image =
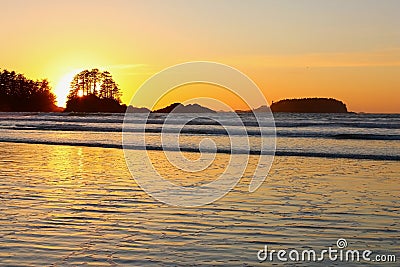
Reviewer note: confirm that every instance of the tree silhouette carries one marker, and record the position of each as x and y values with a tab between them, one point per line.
18	93
108	88
94	91
88	82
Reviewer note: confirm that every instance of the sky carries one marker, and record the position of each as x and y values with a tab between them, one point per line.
345	49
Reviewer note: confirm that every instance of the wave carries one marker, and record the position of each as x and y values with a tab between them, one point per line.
210	132
223	151
364	125
366	137
209	121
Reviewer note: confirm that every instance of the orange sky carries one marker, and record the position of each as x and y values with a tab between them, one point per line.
349	50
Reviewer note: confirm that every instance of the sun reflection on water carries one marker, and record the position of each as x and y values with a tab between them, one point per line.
64	205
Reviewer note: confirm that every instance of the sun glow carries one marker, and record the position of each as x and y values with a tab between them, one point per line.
63	86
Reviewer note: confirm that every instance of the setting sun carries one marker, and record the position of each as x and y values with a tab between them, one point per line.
63	86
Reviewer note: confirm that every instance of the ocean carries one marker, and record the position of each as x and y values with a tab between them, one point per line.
68	198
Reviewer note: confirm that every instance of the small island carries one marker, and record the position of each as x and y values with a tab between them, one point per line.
94	91
302	105
181	108
309	105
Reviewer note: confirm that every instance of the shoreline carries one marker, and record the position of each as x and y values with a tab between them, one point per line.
393	158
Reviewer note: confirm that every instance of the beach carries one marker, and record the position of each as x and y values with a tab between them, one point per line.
73	204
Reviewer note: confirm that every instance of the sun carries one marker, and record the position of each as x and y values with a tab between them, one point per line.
63	86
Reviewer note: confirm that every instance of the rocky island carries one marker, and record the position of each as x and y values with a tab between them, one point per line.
309	105
303	105
181	108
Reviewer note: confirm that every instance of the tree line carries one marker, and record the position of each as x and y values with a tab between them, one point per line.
18	93
90	91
